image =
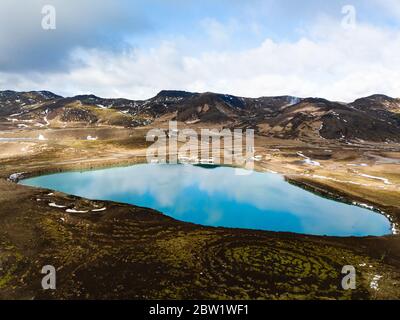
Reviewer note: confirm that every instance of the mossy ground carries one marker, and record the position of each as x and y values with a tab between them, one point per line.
127	252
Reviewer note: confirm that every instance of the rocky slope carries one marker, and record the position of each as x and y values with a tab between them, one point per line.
374	118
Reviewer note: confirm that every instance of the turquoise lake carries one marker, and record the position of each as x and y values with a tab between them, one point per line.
220	196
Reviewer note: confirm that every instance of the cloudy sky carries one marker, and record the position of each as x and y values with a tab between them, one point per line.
135	48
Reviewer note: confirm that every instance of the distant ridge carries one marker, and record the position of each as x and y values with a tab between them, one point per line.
373	118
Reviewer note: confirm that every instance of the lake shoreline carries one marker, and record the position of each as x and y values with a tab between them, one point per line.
306	184
257	226
36	233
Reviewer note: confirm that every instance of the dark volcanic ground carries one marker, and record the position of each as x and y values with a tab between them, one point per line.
127	252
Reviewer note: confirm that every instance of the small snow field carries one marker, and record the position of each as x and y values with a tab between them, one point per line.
54	205
375	282
76	211
308	161
385	181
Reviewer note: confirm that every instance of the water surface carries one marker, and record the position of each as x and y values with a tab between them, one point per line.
220	197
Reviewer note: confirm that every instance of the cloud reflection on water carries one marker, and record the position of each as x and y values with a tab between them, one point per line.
218	197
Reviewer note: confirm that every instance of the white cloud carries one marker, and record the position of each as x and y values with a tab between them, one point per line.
327	62
25	45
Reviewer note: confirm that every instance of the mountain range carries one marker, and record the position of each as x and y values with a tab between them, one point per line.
374	118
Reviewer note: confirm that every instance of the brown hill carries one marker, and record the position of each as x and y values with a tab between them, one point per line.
374	118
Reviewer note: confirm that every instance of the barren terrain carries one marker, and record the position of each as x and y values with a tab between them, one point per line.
126	252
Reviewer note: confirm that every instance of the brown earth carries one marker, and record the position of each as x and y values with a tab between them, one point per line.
126	252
